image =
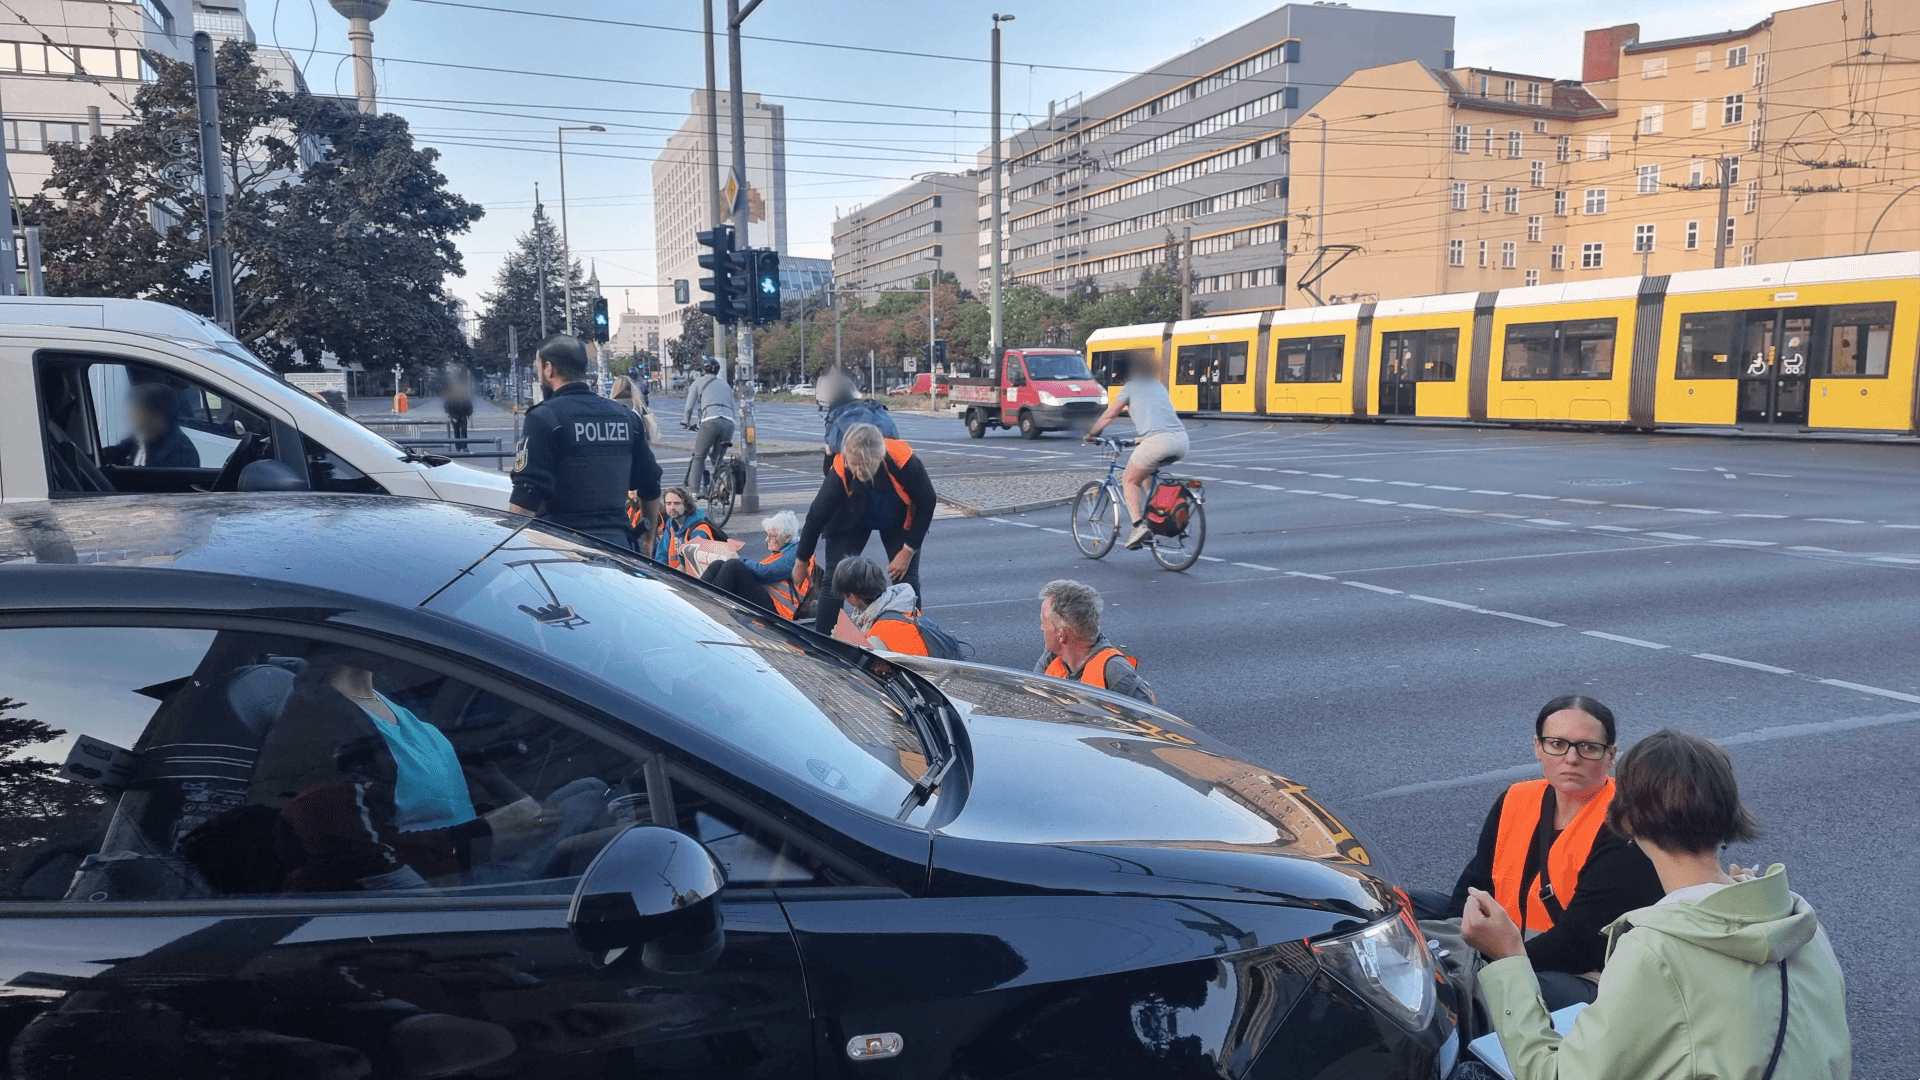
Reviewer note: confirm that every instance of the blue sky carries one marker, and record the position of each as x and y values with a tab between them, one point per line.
493	117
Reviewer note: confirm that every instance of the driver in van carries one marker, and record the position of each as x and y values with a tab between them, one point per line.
157	441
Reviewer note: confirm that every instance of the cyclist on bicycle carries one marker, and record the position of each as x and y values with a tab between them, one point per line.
1161	439
709	407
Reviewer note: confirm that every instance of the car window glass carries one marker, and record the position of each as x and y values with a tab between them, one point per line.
127	426
1057	366
751	854
270	766
328	471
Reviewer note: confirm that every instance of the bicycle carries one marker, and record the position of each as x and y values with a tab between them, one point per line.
1099	513
722	487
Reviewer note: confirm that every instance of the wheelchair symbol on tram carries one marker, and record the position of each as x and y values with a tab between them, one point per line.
1757	365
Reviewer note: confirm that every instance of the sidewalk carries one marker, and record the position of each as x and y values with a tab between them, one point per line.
987	496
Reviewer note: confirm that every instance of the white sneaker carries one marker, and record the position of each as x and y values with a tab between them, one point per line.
1139	536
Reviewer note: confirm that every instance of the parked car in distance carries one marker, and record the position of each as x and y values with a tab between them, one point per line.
637	822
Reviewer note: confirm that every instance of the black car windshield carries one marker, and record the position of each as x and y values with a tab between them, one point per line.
1057	366
740	674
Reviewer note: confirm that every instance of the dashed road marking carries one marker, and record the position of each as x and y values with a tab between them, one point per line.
1303	573
1024	524
1051	529
1737	662
1443	487
1488	491
1839	521
1443	603
1548	521
1515	517
1238	483
1584	502
1807	547
1523	495
1257	566
1770	517
1673	536
1269	487
1458	510
1210	558
1691	510
1638	506
1523	618
1380	502
1405	483
1613	528
1624	640
1372	588
1896	559
1327	476
1903	526
1365	480
1419	506
1336	495
1894	694
1745	543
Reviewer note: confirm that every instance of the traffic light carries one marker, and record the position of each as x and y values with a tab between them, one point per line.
601	328
727	290
940	351
765	307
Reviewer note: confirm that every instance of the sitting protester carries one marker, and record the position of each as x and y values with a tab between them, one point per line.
1729	974
1549	860
885	612
681	520
767	582
1077	650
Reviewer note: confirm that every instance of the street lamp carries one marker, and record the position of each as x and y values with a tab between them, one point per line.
566	249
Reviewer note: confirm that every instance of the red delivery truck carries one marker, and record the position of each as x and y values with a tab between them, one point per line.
1037	390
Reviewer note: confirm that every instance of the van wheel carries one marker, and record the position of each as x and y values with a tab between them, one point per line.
976	426
1028	429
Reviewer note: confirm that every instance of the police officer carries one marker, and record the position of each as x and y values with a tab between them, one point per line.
581	454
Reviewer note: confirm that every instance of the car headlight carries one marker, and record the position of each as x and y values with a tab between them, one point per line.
1048	399
1388	965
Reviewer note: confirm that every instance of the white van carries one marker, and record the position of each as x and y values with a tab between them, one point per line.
75	372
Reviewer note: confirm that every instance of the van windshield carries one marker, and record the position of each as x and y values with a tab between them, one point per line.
1057	366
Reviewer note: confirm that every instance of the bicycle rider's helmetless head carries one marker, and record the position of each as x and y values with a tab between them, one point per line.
1144	364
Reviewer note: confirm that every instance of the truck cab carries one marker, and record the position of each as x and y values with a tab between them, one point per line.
1034	390
78	376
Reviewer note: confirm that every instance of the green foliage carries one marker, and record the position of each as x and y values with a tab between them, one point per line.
41	809
515	299
694	342
342	232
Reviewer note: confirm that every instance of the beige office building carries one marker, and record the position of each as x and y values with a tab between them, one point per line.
1475	179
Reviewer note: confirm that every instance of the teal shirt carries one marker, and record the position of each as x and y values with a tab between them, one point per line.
430	791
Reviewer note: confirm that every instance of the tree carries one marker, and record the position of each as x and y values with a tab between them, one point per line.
695	342
341	231
42	809
515	300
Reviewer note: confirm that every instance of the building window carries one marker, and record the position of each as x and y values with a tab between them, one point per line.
1753	196
1652	119
1537	174
1456	253
1533	277
1733	109
1696	173
1533	228
1759	70
1557	257
1463	137
1483	254
1653	67
1484	83
1699	115
1693	236
1513	144
1737	56
1512	88
1509	255
1599	147
1596	202
1642	239
1458	195
1539	126
1728	241
1703	60
1753	134
1533	98
1649	179
1489	142
1486	198
1559	204
1746	255
1733	170
1513	200
1592	256
1563	149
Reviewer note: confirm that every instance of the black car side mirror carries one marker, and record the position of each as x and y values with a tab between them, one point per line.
654	889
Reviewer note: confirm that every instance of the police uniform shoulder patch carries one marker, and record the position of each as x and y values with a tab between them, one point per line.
520	458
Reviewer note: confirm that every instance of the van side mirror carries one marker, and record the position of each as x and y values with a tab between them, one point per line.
270	474
654	889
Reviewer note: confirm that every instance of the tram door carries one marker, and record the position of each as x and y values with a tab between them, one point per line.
1776	351
1210	379
1399	373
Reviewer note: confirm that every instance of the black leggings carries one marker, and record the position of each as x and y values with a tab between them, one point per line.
735	577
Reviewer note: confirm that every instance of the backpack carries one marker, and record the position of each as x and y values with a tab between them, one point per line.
1168	510
858	411
941	645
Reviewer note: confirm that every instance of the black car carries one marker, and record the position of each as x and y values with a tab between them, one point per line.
313	787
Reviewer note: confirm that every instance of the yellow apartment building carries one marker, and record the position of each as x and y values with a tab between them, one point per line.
1793	138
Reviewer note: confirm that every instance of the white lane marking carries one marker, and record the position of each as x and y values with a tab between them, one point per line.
1238	483
1380	502
1690	510
1612	528
1522	495
1515	517
1459	510
1327	476
1302	491
1378	589
1737	662
1259	468
1772	517
1269	487
1548	521
1336	495
1821	550
1585	502
1051	529
1745	543
1303	573
1523	618
1903	526
1896	559
1894	694
1257	566
1443	487
1442	603
1364	480
1728	476
1673	536
1839	521
1489	491
1024	524
1210	558
1292	472
1623	639
1638	506
1419	506
1002	521
1405	483
1681	468
1776	475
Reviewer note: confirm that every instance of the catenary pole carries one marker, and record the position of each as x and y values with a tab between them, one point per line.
750	497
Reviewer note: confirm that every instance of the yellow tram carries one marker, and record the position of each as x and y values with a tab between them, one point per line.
1814	345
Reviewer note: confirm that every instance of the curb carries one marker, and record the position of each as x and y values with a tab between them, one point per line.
1011	508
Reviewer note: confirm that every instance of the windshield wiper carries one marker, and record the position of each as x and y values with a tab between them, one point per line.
925	715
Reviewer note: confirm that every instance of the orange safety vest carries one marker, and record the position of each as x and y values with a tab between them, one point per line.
900	633
1094	673
701	530
786	599
898	453
1519	819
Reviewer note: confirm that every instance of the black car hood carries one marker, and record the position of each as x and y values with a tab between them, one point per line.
1066	766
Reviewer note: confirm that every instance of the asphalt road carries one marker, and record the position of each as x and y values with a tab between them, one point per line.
1381	610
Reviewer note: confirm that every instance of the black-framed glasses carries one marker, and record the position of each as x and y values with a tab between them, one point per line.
1592	751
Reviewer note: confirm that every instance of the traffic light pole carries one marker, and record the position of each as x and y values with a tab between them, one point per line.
750	496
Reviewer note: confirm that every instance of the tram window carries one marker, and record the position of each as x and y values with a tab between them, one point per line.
1586	350
1112	366
1565	350
1235	355
1529	351
1859	340
1320	359
1706	345
1190	364
1440	356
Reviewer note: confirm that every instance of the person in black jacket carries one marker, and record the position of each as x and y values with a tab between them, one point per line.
157	441
458	403
581	455
875	484
1547	855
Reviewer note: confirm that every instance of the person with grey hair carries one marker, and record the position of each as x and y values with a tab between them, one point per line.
874	484
1076	648
766	582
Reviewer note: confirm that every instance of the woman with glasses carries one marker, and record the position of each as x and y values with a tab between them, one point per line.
1548	858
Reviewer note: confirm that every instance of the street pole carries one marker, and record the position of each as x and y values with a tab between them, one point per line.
1720	223
540	258
566	245
1320	229
835	297
994	340
207	96
933	381
1186	273
9	270
750	496
714	215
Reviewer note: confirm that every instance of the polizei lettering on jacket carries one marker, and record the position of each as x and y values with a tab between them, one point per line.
602	431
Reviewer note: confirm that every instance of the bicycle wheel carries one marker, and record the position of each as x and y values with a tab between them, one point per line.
721	497
1096	520
1180	552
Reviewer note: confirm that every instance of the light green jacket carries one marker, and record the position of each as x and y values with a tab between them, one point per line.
1691	991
